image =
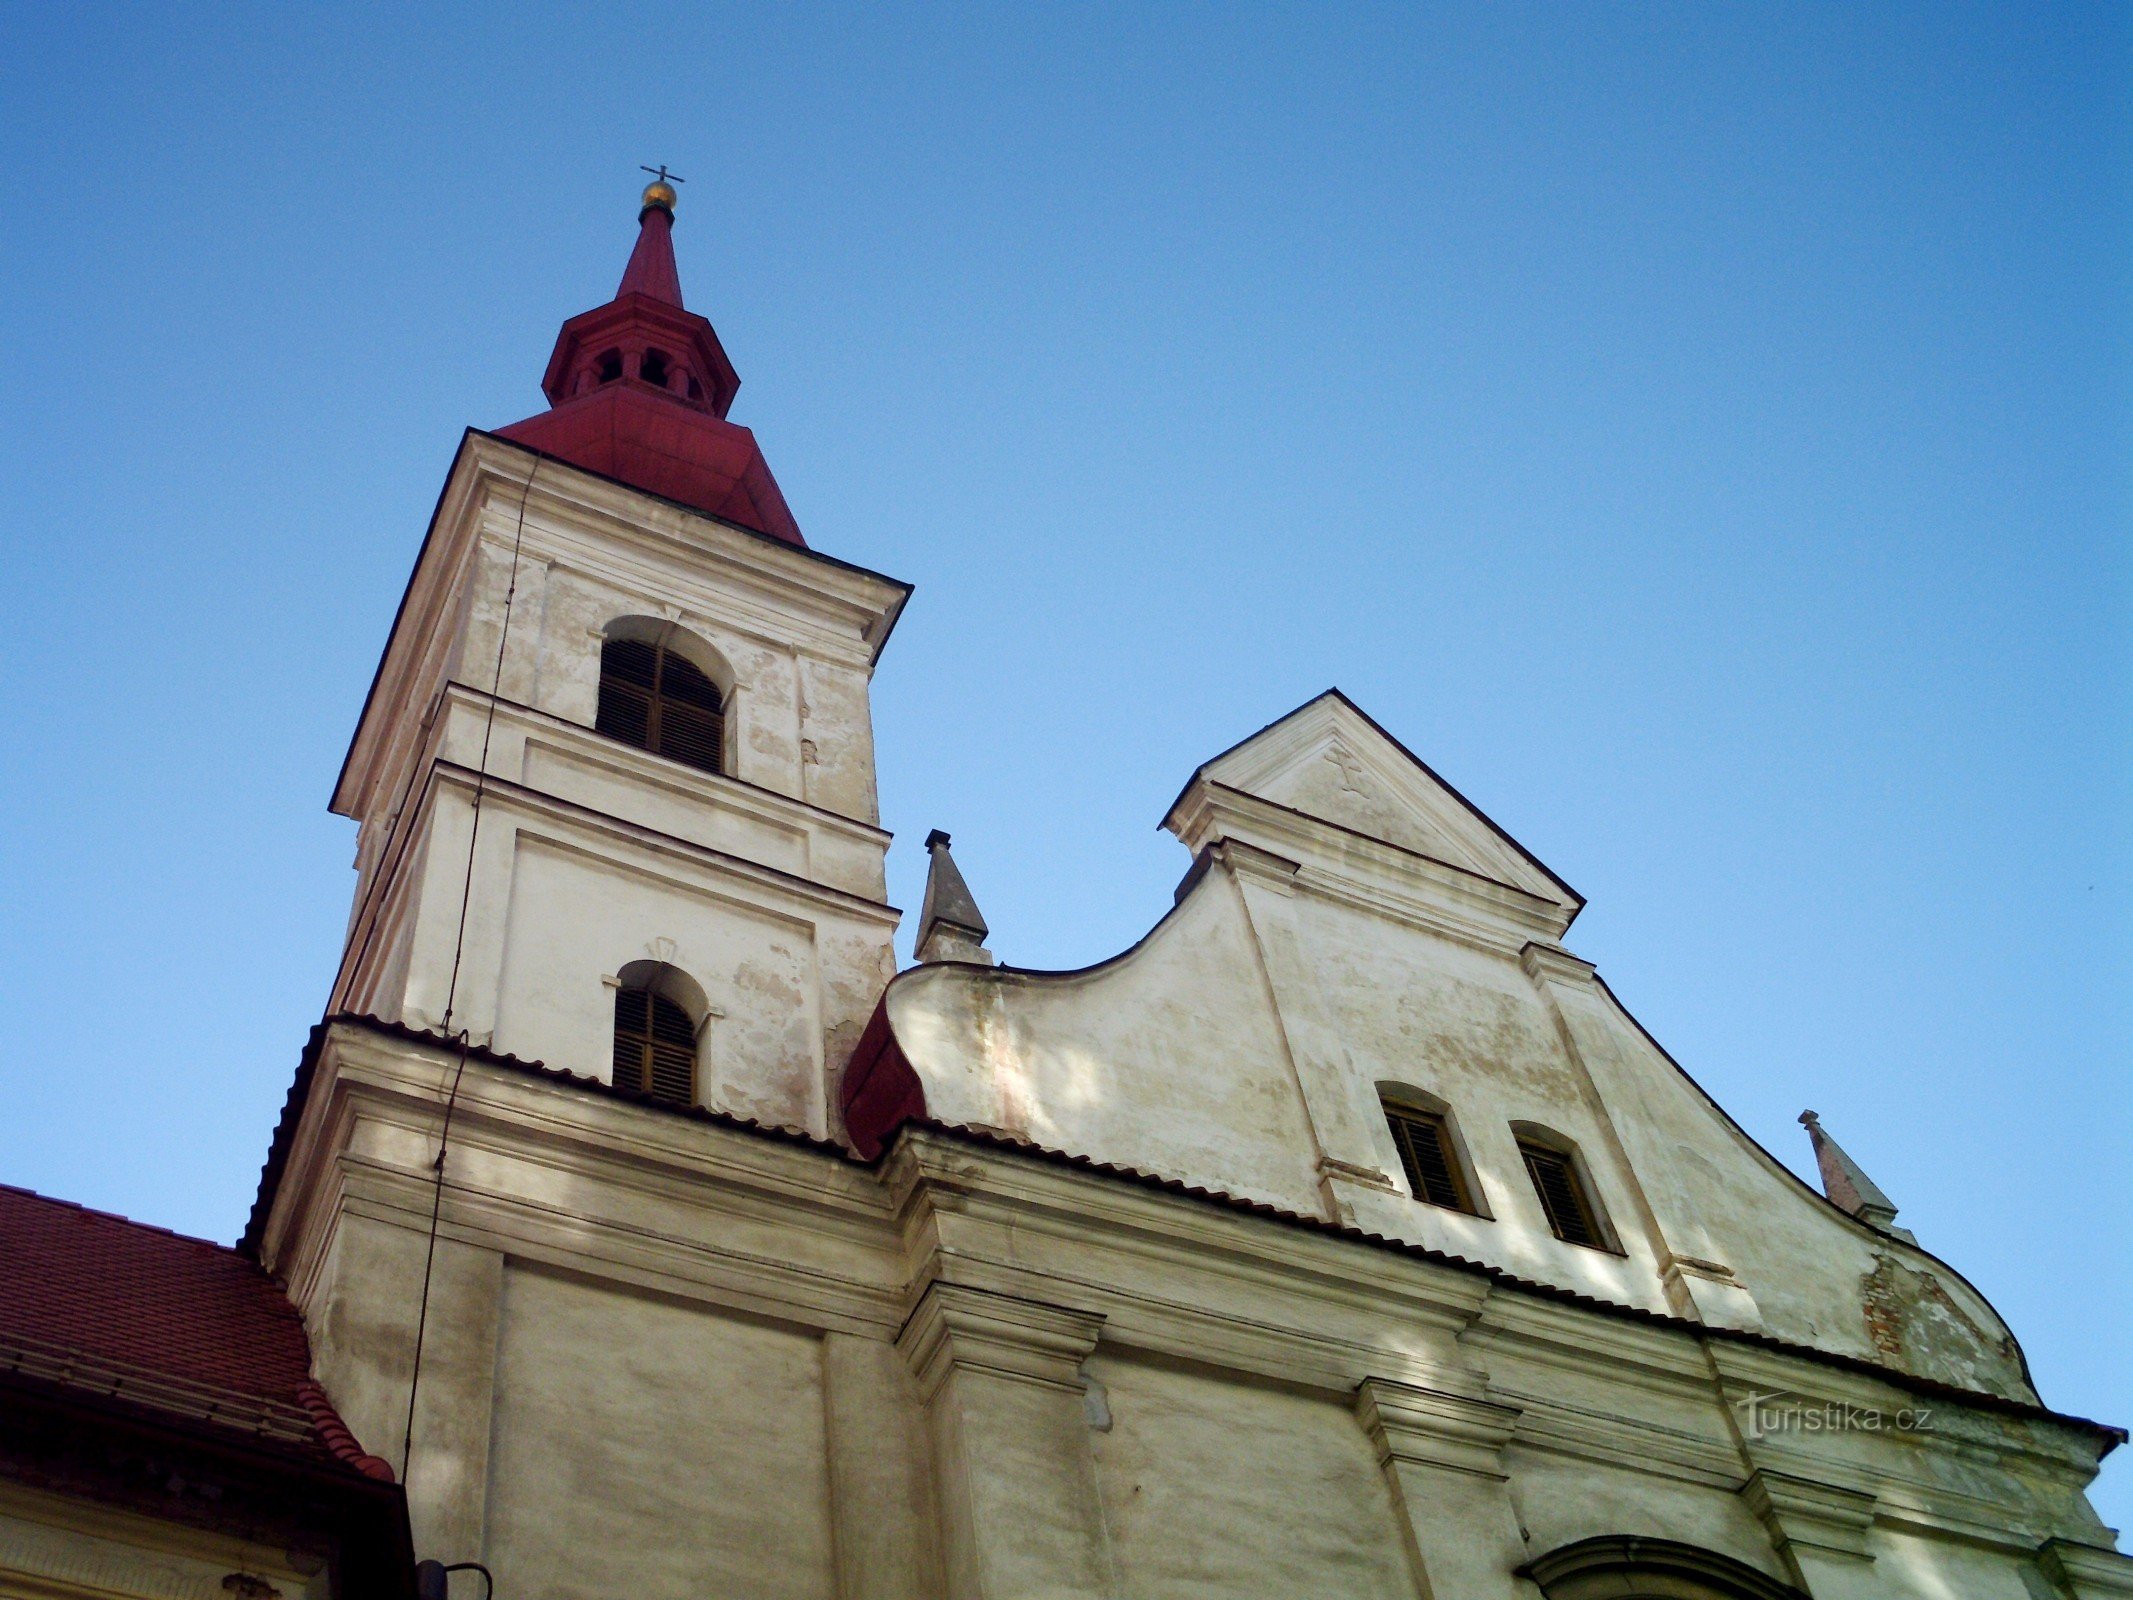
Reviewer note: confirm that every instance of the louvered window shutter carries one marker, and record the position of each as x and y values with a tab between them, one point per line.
690	724
1562	1197
655	1046
1426	1155
658	701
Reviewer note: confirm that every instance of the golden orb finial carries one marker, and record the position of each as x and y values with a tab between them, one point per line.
660	191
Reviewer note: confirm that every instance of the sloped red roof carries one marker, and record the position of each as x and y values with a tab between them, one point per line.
125	1311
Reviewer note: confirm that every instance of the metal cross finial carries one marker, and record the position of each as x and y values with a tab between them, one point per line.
662	175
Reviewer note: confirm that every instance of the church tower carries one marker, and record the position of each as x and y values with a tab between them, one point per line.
620	919
615	777
1344	1235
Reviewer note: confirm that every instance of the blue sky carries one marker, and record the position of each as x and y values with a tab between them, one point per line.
1700	432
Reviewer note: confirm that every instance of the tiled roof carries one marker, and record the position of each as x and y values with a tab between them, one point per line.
125	1311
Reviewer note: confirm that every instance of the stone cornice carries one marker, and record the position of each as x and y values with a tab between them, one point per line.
1433	1428
1023	1193
847	609
642	767
1806	1514
955	1328
799	576
1528	1310
669	1202
1555	964
1386	878
535	802
2086	1571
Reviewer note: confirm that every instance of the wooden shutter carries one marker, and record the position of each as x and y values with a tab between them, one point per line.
655	1046
633	1026
691	726
629	679
671	1064
1425	1146
657	701
1562	1197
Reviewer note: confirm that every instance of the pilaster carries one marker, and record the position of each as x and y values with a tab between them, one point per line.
448	1474
1443	1455
2086	1571
1821	1529
883	1513
1019	1508
1697	1285
1347	1150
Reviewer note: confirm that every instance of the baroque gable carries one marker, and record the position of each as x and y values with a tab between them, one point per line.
1327	785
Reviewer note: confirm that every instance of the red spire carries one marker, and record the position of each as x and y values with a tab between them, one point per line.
638	390
651	270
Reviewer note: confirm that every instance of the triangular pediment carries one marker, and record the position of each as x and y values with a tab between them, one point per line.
1329	762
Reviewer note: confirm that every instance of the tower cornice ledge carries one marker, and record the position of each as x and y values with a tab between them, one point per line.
802	574
840	608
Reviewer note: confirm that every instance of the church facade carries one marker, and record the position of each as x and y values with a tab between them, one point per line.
1345	1236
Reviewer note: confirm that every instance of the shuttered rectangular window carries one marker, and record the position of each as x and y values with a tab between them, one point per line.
1562	1196
655	1047
661	702
1425	1146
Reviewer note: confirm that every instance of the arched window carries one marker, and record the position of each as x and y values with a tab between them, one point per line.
655	1046
609	367
653	368
657	700
1619	1565
1429	1151
1565	1198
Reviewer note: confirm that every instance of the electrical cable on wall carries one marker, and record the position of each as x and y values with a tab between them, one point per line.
451	996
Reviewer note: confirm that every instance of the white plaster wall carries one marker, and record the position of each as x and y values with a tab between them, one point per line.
1168	1059
1805	1263
1940	1569
575	919
794	973
1468	1026
812	743
1213	1489
664	1357
1175	1060
1564	1499
654	1450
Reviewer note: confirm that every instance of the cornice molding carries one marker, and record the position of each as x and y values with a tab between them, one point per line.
954	1328
1809	1514
1384	877
1552	963
2086	1571
1433	1428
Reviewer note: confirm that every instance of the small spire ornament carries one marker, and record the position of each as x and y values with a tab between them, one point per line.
659	193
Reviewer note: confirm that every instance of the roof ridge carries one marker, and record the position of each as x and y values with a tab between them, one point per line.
98	1212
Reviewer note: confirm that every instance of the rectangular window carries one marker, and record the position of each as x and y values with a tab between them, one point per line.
1562	1197
1425	1146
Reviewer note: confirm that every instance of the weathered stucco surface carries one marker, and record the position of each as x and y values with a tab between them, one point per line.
625	1348
1313	964
761	887
681	1357
627	1479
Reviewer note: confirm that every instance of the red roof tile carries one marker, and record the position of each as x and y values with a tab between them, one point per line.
121	1309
